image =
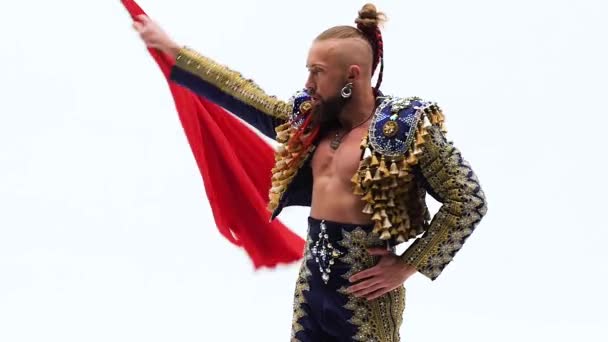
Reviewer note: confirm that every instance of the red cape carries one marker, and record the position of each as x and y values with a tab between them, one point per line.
235	164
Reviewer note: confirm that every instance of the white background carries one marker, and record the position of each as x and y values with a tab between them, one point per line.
105	231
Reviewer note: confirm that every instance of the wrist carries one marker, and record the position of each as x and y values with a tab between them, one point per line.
172	49
408	270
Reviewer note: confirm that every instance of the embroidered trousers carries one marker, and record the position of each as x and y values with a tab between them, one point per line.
323	310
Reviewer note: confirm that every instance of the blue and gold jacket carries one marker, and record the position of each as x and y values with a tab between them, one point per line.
404	156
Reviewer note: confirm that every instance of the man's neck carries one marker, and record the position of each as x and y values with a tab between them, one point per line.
359	108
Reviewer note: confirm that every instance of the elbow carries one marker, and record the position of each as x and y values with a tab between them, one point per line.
482	208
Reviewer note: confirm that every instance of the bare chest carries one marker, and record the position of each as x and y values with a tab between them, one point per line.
342	162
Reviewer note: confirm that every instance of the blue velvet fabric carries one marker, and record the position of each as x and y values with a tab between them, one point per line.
326	317
266	124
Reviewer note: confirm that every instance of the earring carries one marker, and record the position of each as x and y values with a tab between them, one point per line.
347	90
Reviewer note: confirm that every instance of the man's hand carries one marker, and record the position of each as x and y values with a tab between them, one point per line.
154	37
390	273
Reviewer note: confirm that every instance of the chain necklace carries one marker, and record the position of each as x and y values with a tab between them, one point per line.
337	140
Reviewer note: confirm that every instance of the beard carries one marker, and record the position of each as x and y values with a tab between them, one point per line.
325	113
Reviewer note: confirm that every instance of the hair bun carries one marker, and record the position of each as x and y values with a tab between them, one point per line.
369	17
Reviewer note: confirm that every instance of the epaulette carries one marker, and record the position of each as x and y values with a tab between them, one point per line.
390	152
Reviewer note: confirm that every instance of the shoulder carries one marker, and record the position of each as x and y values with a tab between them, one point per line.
300	106
398	122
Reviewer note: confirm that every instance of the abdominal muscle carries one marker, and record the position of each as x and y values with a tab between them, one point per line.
332	201
332	194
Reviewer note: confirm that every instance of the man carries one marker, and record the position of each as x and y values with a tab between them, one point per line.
364	162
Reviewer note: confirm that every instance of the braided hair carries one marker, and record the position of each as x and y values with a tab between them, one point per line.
368	23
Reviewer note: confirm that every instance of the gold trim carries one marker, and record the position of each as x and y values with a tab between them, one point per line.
299	299
392	195
379	319
232	83
451	177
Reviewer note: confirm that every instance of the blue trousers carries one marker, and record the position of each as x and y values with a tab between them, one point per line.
323	310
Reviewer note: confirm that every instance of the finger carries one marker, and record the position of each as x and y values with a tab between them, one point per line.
377	294
369	290
143	18
378	251
138	26
362	285
370	272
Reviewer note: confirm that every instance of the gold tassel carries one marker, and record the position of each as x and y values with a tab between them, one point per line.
377	197
363	143
379	205
358	190
374	160
424	132
394	170
397	218
382	167
355	178
368	178
368	197
289	173
385	235
377	227
391	203
419	139
376	217
368	209
377	175
411	159
400	239
383	213
386	223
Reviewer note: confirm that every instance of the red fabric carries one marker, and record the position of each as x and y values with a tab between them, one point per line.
235	164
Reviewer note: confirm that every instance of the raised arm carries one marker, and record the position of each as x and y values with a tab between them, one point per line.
449	179
217	83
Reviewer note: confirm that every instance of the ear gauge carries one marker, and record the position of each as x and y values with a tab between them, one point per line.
347	90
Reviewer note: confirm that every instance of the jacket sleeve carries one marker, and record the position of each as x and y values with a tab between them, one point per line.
230	90
449	179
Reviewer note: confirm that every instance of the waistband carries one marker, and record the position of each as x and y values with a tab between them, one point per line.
334	229
330	241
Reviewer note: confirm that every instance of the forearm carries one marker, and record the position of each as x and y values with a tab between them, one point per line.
449	177
229	90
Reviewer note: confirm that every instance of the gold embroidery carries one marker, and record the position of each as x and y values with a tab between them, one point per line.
464	204
387	183
380	319
395	199
232	83
390	129
299	300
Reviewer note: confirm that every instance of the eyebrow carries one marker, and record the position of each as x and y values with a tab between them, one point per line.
316	65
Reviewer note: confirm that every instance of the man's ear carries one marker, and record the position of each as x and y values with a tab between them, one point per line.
354	73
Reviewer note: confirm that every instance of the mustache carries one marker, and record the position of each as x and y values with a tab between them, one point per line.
325	112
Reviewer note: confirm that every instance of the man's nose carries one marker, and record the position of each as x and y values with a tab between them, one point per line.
309	85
